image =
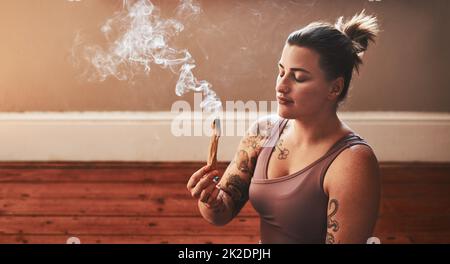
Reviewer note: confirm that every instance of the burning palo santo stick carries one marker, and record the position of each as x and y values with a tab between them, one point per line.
214	144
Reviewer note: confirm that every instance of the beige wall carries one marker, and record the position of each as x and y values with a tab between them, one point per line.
236	45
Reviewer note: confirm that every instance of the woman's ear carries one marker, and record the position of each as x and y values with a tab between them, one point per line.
336	88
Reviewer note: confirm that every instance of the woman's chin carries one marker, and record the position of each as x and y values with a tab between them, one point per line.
284	113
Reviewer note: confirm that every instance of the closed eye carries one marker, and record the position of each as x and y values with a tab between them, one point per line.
300	80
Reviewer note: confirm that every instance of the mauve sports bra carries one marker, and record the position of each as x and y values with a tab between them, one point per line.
293	208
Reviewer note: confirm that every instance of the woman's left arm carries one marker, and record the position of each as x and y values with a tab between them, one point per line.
353	184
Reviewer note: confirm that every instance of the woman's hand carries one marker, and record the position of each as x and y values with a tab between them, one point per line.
203	186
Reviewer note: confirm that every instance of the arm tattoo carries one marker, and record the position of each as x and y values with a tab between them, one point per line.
329	239
220	207
243	162
332	224
237	189
253	143
246	163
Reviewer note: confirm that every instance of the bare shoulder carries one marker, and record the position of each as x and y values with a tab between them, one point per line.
356	165
258	132
262	126
356	156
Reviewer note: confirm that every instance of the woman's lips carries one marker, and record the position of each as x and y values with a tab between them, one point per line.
284	101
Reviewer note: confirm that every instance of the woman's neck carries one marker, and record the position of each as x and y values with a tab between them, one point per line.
312	131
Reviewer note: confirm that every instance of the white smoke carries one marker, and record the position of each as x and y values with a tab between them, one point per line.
138	38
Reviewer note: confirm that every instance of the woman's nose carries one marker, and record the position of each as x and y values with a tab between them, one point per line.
282	84
282	88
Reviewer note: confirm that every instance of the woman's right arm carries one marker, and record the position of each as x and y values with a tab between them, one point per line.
220	203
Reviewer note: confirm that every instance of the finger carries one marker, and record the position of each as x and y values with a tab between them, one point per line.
213	197
203	183
193	180
206	193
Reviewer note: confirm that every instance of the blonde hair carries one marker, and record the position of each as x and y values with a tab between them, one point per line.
360	29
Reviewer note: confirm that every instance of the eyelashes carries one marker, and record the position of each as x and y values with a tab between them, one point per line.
299	80
281	74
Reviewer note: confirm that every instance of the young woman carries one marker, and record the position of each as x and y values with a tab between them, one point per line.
310	177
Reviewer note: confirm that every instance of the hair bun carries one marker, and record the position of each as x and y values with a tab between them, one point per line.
361	29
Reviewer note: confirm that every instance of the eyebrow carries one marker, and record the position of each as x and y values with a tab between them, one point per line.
295	69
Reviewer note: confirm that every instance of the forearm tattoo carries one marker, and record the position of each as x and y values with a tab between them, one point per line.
219	207
243	162
236	185
332	224
237	190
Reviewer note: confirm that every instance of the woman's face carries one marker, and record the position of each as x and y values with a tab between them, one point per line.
302	89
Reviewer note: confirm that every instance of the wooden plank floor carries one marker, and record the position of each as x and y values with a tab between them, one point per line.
148	203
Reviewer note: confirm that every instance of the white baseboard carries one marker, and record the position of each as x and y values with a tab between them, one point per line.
146	136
